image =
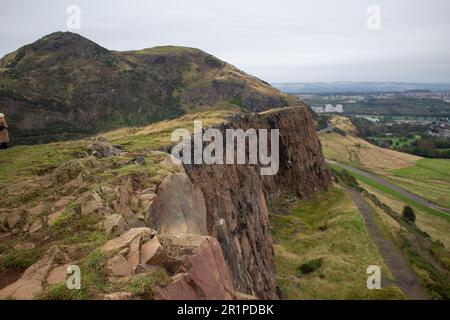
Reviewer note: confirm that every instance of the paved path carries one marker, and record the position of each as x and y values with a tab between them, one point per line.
394	258
394	187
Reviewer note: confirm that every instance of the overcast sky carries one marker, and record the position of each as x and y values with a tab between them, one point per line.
276	40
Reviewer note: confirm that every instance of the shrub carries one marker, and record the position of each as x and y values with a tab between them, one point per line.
409	214
310	266
346	178
21	259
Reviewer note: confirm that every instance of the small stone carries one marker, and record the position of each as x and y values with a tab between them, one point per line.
58	275
133	256
152	252
125	239
51	218
115	225
37	210
145	200
118	296
35	226
138	161
90	202
24	246
63	202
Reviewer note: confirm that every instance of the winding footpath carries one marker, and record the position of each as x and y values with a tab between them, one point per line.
405	278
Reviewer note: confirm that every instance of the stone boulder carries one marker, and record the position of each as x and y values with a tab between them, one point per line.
103	149
125	240
90	202
114	225
58	275
66	172
33	279
24	246
118	296
9	219
202	275
118	266
153	253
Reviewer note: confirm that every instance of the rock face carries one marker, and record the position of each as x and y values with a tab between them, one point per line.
235	196
179	207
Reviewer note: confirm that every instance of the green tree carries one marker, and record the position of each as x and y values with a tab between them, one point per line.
409	214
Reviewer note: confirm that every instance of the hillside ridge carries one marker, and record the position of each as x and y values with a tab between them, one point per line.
65	86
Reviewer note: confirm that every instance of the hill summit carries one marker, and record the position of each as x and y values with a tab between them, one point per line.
65	86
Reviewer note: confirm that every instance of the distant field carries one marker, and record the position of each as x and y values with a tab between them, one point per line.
354	151
429	178
322	250
437	227
394	194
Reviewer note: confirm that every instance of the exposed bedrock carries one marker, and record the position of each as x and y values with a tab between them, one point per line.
235	195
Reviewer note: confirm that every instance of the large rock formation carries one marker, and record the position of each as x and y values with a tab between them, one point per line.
210	232
235	195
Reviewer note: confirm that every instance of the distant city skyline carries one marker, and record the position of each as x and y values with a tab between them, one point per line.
278	41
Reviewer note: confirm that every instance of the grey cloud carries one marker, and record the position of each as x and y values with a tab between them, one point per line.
287	40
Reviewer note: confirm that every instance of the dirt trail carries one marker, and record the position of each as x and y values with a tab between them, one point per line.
394	258
394	187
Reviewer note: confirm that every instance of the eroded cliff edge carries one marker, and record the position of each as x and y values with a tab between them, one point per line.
127	215
235	195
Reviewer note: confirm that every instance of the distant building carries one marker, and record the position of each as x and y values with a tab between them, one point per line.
329	108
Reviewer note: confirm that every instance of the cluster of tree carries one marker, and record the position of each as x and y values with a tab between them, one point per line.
399	105
322	121
416	137
409	214
368	128
430	147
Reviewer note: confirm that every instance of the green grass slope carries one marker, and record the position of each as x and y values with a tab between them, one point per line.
322	249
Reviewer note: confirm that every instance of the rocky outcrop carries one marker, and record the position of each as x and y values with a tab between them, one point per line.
34	279
103	149
201	275
235	195
195	263
209	229
179	207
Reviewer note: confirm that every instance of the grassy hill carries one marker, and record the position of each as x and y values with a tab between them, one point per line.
65	86
44	187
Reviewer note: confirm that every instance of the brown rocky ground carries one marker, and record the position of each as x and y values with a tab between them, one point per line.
140	227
